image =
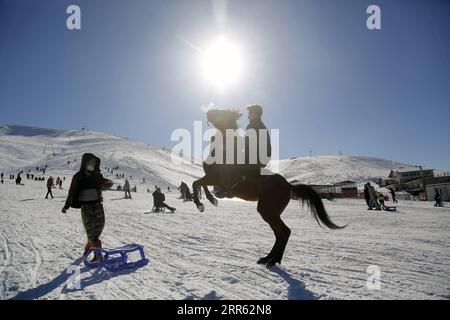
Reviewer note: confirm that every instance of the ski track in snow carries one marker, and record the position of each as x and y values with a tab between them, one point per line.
38	262
6	262
6	252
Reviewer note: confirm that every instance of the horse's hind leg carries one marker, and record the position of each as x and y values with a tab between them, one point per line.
271	212
282	233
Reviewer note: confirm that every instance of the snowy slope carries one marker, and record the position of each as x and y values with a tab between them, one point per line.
22	148
332	169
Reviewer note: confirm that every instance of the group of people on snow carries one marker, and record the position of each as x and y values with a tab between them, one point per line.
29	176
374	199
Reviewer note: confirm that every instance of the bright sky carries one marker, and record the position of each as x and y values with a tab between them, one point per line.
137	69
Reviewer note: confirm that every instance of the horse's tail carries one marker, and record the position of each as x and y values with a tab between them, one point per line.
312	199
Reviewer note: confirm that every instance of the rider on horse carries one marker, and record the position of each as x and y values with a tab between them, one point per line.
258	128
249	154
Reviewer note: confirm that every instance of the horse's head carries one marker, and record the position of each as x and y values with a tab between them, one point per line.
223	119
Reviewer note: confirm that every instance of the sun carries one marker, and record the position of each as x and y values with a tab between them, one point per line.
222	63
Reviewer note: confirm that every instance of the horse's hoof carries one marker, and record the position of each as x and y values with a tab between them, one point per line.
269	261
201	207
215	202
263	260
272	262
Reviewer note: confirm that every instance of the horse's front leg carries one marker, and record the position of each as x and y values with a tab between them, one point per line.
210	197
195	186
204	182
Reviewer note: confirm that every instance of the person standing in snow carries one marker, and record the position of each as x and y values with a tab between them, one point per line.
49	187
438	199
394	199
60	184
18	179
85	192
126	188
373	198
367	196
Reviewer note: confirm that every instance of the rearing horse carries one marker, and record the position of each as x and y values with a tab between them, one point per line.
272	192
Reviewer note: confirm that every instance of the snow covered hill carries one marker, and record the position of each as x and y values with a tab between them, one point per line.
22	148
25	148
332	169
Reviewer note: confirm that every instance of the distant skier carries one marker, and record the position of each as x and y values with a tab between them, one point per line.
85	192
126	188
438	199
49	187
158	201
1	176
394	199
60	184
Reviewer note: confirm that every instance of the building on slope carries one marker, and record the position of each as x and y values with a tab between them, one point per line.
414	180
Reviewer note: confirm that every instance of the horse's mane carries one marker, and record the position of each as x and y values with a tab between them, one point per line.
227	116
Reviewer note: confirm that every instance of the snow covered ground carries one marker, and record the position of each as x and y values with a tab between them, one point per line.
210	255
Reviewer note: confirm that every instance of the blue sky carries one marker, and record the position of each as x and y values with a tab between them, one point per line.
325	80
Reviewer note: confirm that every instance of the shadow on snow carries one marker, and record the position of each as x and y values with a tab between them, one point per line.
97	276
